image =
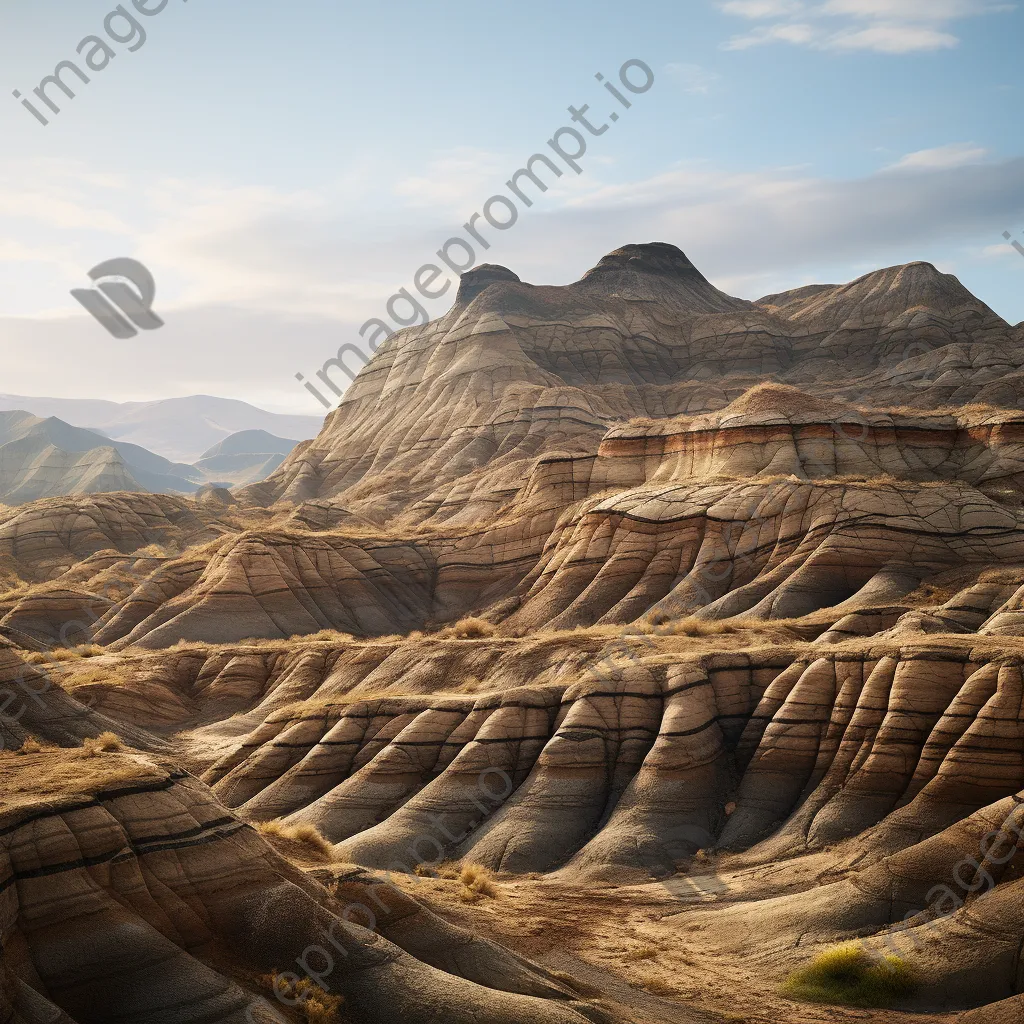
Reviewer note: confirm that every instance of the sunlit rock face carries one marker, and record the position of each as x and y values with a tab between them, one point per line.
585	586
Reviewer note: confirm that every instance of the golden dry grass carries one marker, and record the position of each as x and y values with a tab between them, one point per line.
13	586
314	1004
331	635
301	840
110	673
655	984
105	743
644	952
62	773
776	630
475	880
155	551
468	628
64	654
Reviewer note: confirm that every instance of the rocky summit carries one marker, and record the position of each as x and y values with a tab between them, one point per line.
618	652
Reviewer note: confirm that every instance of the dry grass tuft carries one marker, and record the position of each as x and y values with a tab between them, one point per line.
12	586
655	984
471	684
334	635
315	1005
849	976
300	840
469	628
105	743
475	879
65	654
96	675
155	551
774	629
30	746
641	953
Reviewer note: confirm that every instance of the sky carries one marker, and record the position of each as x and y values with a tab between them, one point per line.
282	170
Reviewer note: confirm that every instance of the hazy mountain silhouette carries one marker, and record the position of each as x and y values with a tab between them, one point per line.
179	429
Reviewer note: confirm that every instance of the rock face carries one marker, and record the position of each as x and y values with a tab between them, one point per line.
586	586
135	896
540	369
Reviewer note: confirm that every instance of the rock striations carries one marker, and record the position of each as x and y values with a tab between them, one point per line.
579	588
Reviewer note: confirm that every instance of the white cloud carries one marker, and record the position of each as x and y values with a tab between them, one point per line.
761	8
793	32
449	179
913	10
255	283
693	78
1001	251
880	26
887	37
941	158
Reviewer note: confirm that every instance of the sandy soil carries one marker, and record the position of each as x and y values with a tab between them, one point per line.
634	945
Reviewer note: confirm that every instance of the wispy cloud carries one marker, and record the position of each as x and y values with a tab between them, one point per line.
693	78
941	158
880	26
257	283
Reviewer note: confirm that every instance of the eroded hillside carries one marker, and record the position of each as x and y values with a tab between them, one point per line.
689	629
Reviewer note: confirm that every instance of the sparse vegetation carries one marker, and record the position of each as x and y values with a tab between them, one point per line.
655	984
30	746
774	629
154	551
77	676
475	879
302	840
315	1005
12	586
469	628
641	953
471	684
850	976
333	635
64	654
105	743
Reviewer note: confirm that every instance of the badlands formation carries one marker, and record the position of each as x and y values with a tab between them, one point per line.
616	652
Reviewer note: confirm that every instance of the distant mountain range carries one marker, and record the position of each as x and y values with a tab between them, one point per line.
179	429
244	458
42	457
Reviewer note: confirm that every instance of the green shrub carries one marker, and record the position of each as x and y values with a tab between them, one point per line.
849	976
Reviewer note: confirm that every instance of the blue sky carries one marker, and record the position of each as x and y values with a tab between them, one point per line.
283	169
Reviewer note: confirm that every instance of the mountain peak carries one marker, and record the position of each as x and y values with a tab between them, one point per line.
474	281
646	257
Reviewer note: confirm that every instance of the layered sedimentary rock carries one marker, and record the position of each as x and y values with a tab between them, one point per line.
535	369
587	586
134	896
